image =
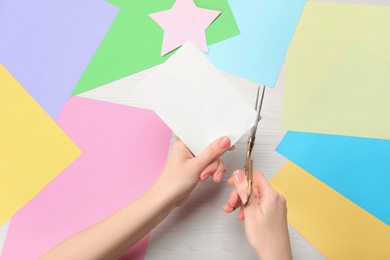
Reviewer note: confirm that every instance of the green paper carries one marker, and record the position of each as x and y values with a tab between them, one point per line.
134	40
337	71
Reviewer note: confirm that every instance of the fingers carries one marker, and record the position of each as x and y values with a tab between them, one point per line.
259	187
241	214
261	181
263	195
212	153
217	168
209	170
233	202
269	198
231	180
241	185
217	176
263	189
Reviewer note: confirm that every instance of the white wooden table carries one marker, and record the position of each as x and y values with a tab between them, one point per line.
199	229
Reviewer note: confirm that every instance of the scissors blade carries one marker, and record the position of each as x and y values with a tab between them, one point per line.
248	168
258	106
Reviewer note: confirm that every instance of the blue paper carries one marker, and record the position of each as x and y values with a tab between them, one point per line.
266	28
46	45
358	168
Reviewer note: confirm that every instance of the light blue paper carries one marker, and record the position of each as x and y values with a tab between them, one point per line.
258	52
358	168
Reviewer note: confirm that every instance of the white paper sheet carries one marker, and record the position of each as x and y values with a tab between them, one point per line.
195	100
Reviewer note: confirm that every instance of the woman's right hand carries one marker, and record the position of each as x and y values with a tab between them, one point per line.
265	216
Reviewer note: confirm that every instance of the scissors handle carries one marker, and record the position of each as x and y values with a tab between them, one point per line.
248	170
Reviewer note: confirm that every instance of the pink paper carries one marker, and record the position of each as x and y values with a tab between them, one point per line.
124	150
184	22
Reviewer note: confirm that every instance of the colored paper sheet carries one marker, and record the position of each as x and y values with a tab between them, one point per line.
333	224
124	150
33	149
134	41
320	61
358	168
195	100
184	22
47	45
3	234
352	99
266	28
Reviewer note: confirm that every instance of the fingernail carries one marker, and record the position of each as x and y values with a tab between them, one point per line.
224	142
227	208
238	176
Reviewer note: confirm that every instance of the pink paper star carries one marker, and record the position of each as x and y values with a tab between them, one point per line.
184	22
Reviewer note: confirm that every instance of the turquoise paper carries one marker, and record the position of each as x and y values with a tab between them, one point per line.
358	168
266	27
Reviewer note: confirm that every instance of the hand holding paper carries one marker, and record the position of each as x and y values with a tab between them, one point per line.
182	171
194	99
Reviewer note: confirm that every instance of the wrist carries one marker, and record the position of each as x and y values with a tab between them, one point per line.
163	196
172	190
281	253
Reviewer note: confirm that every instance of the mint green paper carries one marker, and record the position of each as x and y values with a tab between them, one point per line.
134	40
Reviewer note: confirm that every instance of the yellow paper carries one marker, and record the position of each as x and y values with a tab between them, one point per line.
337	71
333	224
33	148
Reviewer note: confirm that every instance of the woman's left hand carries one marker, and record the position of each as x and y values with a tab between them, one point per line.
183	170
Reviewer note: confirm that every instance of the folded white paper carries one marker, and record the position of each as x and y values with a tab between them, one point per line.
195	100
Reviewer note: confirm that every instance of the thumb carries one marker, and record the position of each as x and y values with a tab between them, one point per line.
212	152
241	185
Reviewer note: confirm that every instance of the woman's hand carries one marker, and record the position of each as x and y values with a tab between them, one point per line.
265	216
183	170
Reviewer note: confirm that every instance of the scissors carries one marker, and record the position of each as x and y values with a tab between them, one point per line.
248	167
